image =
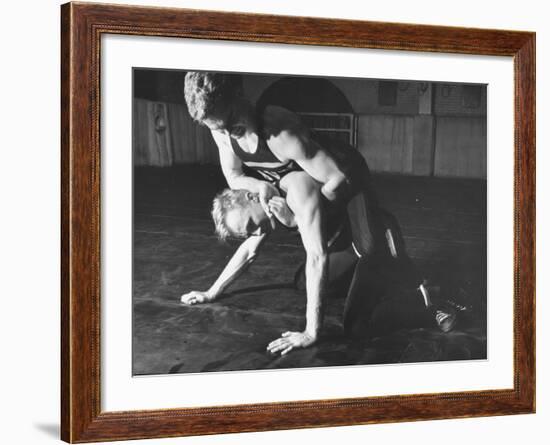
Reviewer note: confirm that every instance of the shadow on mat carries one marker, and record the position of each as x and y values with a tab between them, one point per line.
247	290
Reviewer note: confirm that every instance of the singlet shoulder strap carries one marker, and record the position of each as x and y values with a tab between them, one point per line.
262	153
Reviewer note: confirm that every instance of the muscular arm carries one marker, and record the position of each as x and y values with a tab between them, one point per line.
315	161
246	253
291	140
309	224
304	200
232	166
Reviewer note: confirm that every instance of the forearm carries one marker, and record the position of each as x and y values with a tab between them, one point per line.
232	166
239	262
243	182
316	277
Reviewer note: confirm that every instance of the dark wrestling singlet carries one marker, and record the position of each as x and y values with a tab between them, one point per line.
264	162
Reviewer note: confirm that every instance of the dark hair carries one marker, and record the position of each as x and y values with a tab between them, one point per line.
207	93
225	201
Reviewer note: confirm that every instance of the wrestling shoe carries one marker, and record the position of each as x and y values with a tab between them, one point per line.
445	314
445	319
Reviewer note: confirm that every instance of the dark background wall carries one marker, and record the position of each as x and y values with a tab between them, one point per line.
406	127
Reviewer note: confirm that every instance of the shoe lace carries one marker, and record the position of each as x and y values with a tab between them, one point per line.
441	316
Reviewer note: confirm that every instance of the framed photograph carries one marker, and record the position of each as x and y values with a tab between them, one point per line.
274	222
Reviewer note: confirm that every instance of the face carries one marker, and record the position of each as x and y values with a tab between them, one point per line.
250	220
235	122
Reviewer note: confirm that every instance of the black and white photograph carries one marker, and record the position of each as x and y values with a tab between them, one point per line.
288	221
278	222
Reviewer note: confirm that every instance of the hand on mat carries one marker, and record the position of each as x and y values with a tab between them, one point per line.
279	208
290	340
266	192
196	297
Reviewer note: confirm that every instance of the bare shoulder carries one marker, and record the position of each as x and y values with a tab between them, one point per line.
277	120
302	191
222	141
286	135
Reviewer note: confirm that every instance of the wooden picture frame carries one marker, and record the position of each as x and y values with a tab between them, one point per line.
82	26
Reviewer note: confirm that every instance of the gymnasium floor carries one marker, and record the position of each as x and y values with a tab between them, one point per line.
175	251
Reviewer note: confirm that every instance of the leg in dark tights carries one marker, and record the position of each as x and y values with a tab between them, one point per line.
365	293
365	224
378	302
399	312
367	287
382	295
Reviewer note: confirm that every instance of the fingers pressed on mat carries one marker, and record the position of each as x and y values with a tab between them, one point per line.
287	350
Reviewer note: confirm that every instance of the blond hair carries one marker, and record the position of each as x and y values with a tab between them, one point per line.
224	202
